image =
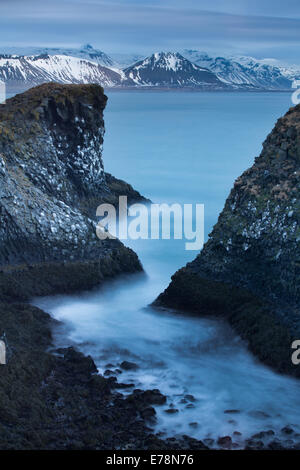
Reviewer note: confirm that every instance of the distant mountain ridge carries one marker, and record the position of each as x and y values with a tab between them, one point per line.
22	68
86	52
22	72
171	70
246	72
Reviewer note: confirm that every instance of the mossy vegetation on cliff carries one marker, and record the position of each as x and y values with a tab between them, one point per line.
51	181
249	269
254	319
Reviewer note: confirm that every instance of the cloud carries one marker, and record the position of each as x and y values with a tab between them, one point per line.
146	25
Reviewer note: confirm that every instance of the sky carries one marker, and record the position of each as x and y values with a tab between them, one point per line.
260	28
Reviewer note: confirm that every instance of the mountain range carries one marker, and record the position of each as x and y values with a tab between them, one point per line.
87	52
171	70
22	68
246	72
22	72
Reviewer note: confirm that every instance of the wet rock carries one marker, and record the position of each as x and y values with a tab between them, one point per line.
81	363
142	399
151	397
155	397
148	413
126	365
263	434
80	409
190	443
171	411
237	433
275	445
287	430
232	411
124	385
190	397
225	442
190	405
254	444
108	373
193	425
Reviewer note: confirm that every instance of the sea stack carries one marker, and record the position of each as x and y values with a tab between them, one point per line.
249	269
52	179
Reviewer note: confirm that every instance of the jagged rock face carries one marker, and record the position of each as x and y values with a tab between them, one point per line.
56	138
257	236
253	252
52	177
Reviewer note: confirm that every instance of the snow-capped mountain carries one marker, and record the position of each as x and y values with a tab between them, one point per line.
248	73
192	69
292	72
20	73
85	52
167	69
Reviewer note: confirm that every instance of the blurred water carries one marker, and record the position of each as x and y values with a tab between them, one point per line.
180	147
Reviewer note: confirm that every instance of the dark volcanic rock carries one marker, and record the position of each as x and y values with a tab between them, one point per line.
127	365
287	430
143	398
263	434
249	269
51	181
59	401
171	411
254	444
225	442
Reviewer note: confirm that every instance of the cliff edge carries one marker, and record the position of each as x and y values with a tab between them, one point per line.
249	269
51	181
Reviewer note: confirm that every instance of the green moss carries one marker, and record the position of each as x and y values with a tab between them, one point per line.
20	282
253	318
22	113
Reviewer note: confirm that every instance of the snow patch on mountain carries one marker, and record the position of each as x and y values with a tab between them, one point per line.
86	52
27	71
246	72
167	69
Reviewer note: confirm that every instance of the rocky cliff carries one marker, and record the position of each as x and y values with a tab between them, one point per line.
51	181
249	269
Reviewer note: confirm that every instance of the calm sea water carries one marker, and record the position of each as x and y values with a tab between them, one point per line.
181	147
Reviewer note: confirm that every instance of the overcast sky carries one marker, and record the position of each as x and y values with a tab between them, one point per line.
262	28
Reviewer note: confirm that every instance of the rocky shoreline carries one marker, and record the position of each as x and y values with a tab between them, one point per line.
249	269
54	398
51	180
